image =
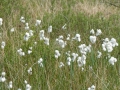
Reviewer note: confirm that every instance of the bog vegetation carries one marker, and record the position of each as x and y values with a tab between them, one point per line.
59	45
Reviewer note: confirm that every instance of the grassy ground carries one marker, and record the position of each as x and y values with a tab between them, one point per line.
80	16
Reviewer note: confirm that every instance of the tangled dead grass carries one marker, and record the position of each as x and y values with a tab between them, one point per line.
91	8
38	8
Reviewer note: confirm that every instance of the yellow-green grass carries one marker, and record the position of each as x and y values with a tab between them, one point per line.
80	16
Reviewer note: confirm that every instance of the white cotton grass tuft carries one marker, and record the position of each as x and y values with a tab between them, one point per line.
28	86
93	39
69	61
50	29
114	42
1	21
30	50
99	32
22	19
26	26
68	53
20	52
60	37
61	42
92	87
92	32
29	71
35	43
28	35
99	54
10	86
12	29
64	27
74	56
84	49
61	64
108	45
2	77
30	32
81	60
77	37
112	60
68	37
46	41
57	54
41	35
3	45
40	62
38	22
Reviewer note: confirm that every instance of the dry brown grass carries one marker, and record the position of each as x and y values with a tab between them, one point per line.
91	8
38	8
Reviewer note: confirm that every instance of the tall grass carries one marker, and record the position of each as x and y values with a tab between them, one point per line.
80	17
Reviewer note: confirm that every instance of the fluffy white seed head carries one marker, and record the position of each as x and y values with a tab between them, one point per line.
93	39
99	32
46	41
61	64
92	87
40	60
3	74
26	36
49	29
31	32
38	22
2	79
2	44
84	49
19	89
22	19
81	61
10	85
29	51
92	32
64	27
99	54
112	60
69	60
12	30
114	42
62	43
77	37
28	87
68	37
30	71
1	20
27	26
41	35
74	56
57	54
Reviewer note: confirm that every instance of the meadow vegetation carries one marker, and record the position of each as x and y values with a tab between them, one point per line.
59	45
